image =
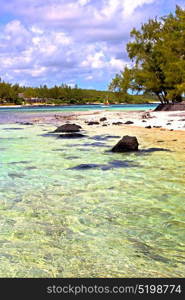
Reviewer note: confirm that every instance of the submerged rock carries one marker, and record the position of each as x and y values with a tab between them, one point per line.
85	167
126	144
68	128
13	128
71	135
104	137
116	164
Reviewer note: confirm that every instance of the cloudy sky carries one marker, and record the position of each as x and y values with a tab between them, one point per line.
71	41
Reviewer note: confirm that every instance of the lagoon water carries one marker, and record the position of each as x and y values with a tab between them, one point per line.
12	114
69	208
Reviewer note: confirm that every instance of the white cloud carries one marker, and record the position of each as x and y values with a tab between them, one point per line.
69	40
117	64
83	2
130	6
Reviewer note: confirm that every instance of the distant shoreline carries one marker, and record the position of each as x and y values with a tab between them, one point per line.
57	105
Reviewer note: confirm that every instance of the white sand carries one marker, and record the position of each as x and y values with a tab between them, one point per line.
169	120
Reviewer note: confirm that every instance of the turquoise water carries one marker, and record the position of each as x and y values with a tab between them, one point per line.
10	114
121	215
80	107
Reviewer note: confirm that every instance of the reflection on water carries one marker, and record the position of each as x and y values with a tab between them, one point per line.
58	220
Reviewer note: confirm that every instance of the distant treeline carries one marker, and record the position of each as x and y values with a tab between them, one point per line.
64	94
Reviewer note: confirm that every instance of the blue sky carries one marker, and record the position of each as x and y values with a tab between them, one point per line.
70	41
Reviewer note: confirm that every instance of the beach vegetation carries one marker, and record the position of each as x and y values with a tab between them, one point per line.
64	95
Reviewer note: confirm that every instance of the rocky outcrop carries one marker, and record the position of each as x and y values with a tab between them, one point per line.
126	144
171	107
93	123
103	119
129	122
117	123
68	128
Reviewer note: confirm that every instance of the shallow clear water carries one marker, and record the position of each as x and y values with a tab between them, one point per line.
112	220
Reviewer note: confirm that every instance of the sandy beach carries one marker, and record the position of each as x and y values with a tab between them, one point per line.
159	129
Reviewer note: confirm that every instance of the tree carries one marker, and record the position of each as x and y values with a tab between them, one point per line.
158	58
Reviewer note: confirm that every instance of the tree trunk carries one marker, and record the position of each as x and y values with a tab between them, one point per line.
159	97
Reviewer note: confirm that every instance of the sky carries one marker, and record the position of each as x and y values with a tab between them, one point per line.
79	42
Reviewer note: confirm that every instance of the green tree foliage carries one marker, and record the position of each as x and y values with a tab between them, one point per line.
157	52
64	94
58	95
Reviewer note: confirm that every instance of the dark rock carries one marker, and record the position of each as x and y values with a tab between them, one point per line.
117	123
157	126
85	167
128	122
103	119
168	123
93	123
126	144
144	121
68	128
148	127
104	125
13	128
160	141
71	135
171	107
26	123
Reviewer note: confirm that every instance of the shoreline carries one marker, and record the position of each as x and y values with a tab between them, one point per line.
150	119
167	128
63	105
164	120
